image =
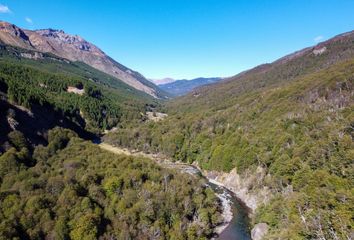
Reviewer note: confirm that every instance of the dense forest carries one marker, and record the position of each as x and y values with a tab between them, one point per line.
39	91
294	118
106	101
26	86
68	188
71	189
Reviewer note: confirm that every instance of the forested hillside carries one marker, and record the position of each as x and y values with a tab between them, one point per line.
293	118
55	185
71	189
48	91
75	49
286	128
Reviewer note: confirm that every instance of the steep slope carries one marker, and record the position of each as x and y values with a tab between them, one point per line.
182	87
280	72
285	127
71	189
74	48
55	185
39	91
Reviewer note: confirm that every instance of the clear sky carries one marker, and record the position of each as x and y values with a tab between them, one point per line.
189	38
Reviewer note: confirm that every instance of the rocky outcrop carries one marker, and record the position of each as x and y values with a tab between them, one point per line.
248	187
73	48
34	55
259	231
13	35
319	51
156	116
75	90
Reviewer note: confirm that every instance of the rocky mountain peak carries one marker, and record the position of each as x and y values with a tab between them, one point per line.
13	30
73	48
62	37
11	34
59	35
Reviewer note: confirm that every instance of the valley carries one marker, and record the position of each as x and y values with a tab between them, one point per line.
235	213
91	149
281	135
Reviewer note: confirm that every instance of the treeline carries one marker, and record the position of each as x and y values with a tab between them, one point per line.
301	133
44	81
71	189
26	86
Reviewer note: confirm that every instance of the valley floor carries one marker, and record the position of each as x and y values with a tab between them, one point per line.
223	193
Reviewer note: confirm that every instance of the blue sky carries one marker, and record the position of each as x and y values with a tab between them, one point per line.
189	38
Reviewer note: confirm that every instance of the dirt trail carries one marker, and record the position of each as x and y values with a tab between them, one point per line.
113	149
161	160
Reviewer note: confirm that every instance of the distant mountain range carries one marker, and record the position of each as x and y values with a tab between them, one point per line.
162	81
184	86
279	136
74	48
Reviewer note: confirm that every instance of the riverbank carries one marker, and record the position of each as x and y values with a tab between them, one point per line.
248	188
226	213
237	226
227	200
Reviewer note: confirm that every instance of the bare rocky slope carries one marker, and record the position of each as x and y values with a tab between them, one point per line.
74	48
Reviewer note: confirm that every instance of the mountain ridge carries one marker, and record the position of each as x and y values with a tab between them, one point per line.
184	86
292	119
74	48
162	80
296	54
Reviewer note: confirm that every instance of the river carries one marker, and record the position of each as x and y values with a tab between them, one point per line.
238	228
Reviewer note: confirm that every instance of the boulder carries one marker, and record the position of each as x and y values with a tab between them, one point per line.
259	230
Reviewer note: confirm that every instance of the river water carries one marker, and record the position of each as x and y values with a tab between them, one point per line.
239	227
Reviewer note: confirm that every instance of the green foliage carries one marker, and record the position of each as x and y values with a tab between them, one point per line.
9	162
28	86
75	190
298	128
106	102
58	138
61	228
294	118
17	139
85	228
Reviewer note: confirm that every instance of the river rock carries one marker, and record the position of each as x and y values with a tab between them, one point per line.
248	187
259	230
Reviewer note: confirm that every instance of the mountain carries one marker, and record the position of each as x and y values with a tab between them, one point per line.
40	91
74	48
182	87
56	185
280	136
162	81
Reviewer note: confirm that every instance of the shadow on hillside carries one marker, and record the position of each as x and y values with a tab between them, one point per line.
35	124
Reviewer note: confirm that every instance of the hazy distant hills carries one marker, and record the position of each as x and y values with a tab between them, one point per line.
182	87
74	48
162	81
